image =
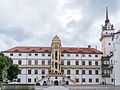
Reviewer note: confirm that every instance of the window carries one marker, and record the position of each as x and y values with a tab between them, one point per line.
83	71
83	55
11	54
36	54
20	54
90	71
19	71
77	55
62	62
97	80
29	62
68	76
90	63
43	54
43	62
19	62
62	55
29	79
77	62
49	54
68	71
42	76
112	80
77	79
43	71
68	62
29	71
29	54
18	80
34	79
83	62
109	44
96	71
68	55
83	80
89	55
36	71
90	80
36	62
96	63
77	71
49	62
62	71
96	55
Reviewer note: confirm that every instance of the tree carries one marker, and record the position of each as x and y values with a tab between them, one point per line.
12	69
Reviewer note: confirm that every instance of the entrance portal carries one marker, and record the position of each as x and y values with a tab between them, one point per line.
56	82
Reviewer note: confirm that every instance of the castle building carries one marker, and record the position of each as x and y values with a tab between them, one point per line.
58	65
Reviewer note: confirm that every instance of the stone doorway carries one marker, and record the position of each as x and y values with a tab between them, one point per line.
56	82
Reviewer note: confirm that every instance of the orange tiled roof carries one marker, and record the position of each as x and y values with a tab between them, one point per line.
48	50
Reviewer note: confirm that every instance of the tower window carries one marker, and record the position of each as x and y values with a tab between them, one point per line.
109	44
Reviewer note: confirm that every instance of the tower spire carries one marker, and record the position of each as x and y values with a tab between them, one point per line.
107	20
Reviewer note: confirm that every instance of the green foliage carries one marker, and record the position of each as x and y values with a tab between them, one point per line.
13	72
6	62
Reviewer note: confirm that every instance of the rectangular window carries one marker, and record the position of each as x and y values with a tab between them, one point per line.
68	71
20	54
62	71
43	71
29	54
96	55
77	71
77	55
29	71
36	62
11	54
83	62
34	79
68	62
62	55
97	79
29	62
83	71
77	79
36	54
77	62
90	71
62	63
96	63
36	71
19	71
49	54
68	55
49	62
18	80
83	80
43	62
29	79
90	63
83	55
89	55
19	62
90	80
96	71
43	54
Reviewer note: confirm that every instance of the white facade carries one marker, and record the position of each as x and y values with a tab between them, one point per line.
92	73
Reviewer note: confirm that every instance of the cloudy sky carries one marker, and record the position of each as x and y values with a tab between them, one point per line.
36	22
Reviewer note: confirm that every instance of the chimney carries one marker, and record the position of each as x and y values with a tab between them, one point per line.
89	46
